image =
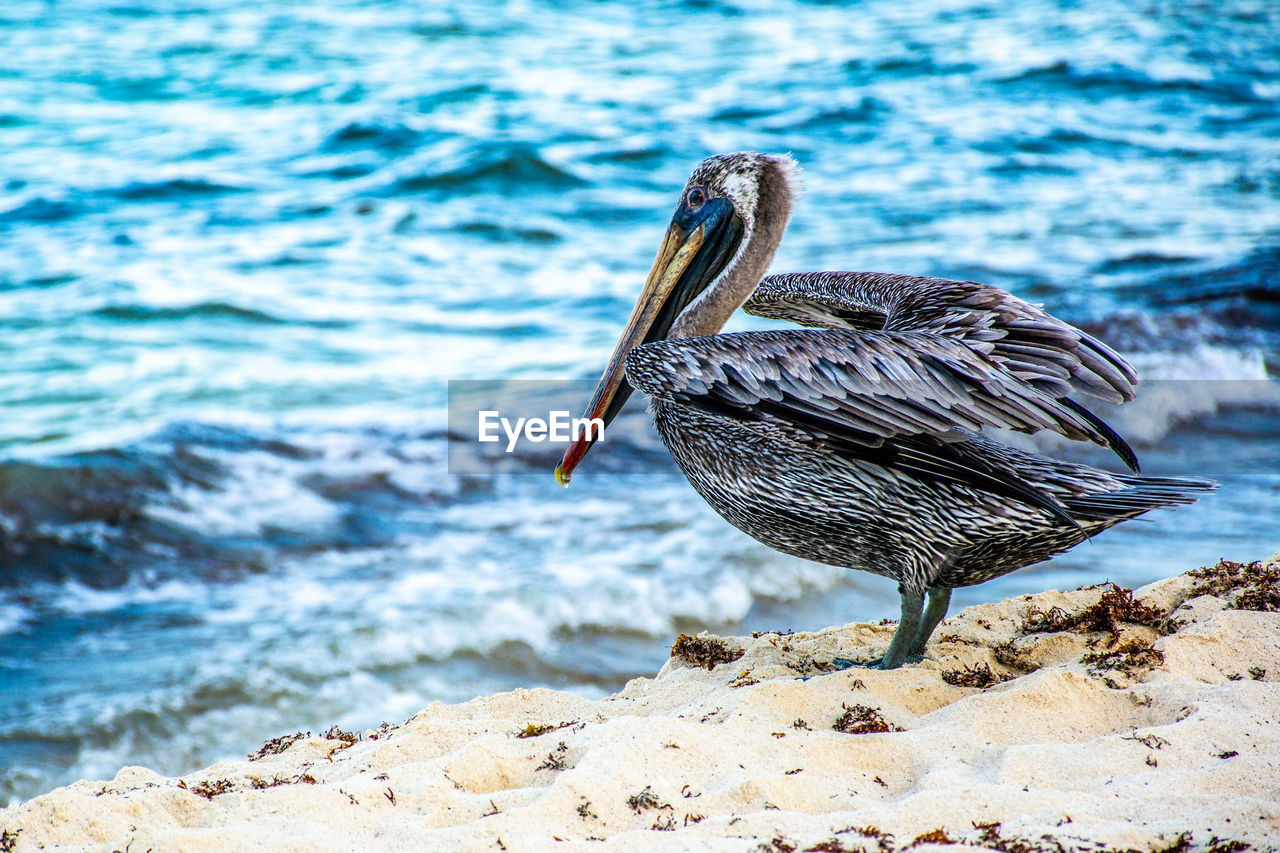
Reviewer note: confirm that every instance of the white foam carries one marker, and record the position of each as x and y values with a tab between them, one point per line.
13	616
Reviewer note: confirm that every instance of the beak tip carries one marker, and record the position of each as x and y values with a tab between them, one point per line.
561	477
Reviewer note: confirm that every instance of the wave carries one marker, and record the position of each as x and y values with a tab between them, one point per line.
205	502
905	66
501	233
505	170
1120	80
200	311
1058	141
865	111
40	210
1193	302
177	189
1143	262
392	138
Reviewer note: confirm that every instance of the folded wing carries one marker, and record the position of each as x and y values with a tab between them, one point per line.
1033	346
842	388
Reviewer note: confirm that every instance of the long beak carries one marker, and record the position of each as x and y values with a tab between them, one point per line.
651	319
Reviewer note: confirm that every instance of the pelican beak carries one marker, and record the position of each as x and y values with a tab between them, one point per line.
698	246
650	315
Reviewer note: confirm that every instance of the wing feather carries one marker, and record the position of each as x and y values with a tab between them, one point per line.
1038	347
874	385
892	398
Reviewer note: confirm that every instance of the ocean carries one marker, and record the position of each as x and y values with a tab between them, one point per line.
244	247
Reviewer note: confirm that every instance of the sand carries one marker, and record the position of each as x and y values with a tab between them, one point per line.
1160	736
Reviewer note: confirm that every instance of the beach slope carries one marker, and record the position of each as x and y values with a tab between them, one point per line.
1090	719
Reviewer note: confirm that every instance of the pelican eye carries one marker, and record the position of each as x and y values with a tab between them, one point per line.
695	198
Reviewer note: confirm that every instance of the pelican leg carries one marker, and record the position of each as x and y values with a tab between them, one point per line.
904	638
934	612
908	627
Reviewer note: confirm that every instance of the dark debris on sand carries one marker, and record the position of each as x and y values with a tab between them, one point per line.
1008	654
208	789
1133	659
540	729
277	745
862	720
974	676
1255	586
645	800
706	652
259	784
987	836
1114	607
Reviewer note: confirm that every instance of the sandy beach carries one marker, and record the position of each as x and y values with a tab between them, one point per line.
1080	720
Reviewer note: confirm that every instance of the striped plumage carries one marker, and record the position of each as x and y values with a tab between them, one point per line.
856	443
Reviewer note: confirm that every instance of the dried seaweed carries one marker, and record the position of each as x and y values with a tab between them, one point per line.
1009	655
861	720
1134	659
208	789
646	800
884	840
555	760
259	784
832	845
277	745
1113	607
933	836
990	837
706	652
539	729
974	676
1256	586
336	733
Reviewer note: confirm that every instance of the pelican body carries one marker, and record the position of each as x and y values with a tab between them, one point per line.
856	442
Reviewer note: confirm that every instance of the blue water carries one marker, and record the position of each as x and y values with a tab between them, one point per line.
244	245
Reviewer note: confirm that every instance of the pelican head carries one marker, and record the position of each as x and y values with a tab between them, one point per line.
722	236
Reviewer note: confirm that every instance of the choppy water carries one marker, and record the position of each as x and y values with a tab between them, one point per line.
244	245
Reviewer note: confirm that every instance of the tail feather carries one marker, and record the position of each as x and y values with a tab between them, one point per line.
1140	494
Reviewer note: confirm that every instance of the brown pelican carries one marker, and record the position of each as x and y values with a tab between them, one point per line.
855	443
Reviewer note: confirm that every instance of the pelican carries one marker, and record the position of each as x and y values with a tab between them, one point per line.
857	442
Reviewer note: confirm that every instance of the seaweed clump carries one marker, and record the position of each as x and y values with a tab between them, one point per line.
1009	655
277	745
645	800
974	676
1115	606
555	759
706	652
336	733
1256	587
208	789
259	784
933	836
540	729
862	720
1134	660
